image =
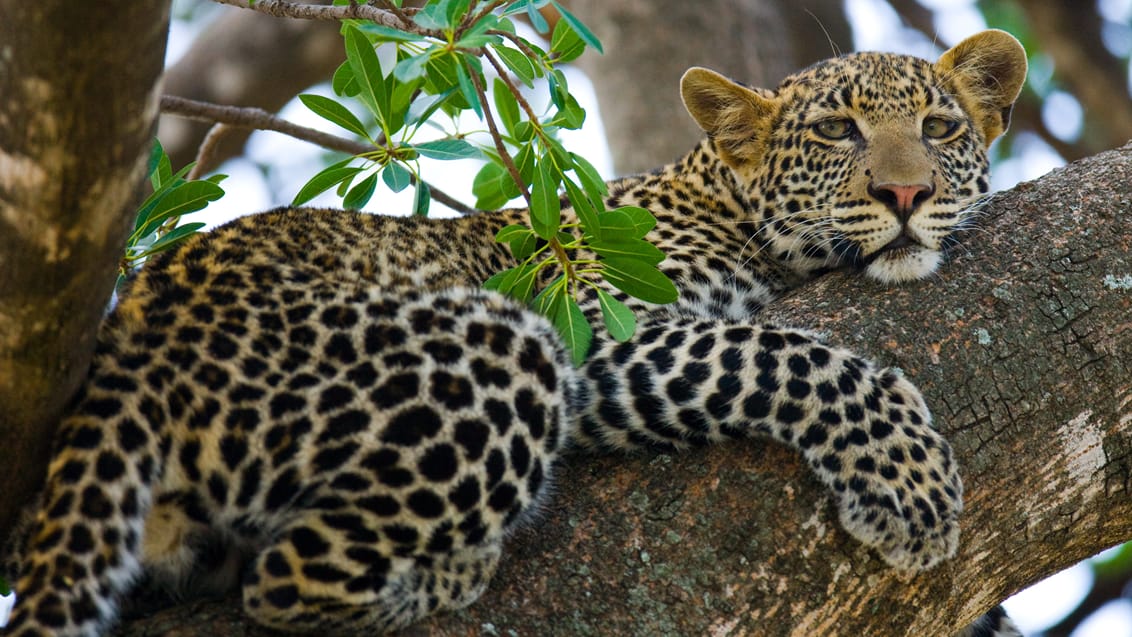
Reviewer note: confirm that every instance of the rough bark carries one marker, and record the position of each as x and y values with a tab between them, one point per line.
650	43
1022	346
74	138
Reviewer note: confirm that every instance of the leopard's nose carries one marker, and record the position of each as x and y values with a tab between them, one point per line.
901	199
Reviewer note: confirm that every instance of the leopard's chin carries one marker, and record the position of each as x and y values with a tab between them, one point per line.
904	263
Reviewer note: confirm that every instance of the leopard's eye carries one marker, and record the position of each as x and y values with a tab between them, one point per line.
938	128
835	128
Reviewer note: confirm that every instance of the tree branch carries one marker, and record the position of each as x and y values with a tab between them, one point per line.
1023	347
259	119
352	11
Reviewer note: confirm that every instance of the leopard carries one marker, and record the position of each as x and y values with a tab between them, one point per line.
327	412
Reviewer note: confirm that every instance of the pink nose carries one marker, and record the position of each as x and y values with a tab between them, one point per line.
903	199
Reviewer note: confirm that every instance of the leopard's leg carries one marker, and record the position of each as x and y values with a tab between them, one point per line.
81	550
341	572
865	431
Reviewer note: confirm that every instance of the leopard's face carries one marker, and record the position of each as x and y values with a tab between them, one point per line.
871	160
872	163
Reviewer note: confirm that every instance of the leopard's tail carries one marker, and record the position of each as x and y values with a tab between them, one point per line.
79	551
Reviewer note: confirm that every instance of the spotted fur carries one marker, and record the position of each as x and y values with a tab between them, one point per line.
322	406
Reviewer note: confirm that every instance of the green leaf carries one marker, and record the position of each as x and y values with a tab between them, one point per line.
396	176
468	90
343	81
332	111
360	194
517	282
5	588
373	91
523	247
433	16
618	318
583	32
511	232
427	107
477	41
639	279
591	180
494	281
559	88
493	187
546	209
584	209
448	149
422	199
519	64
187	197
558	151
442	73
173	237
626	222
546	301
565	42
411	68
455	10
383	33
571	115
573	327
160	170
324	180
506	106
537	21
628	249
525	161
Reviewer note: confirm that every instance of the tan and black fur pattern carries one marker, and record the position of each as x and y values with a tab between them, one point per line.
329	398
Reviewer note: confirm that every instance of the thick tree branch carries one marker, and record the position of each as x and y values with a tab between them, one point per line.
352	11
80	90
1023	347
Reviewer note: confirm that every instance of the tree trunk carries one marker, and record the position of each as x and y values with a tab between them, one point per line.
650	43
1022	346
80	91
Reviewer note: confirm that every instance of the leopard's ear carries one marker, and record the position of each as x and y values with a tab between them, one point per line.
738	118
988	69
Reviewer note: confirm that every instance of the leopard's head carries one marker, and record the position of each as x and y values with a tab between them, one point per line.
871	159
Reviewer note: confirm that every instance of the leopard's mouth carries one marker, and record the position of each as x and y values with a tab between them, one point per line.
902	259
903	245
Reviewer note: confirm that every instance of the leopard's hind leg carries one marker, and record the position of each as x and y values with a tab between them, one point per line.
337	571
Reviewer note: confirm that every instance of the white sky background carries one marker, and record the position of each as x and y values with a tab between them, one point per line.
875	26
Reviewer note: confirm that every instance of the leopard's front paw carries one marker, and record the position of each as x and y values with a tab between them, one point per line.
897	485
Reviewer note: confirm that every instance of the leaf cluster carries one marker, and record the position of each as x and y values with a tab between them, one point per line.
158	227
438	65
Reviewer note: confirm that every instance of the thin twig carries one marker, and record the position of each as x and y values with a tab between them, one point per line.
206	154
498	138
257	118
505	75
